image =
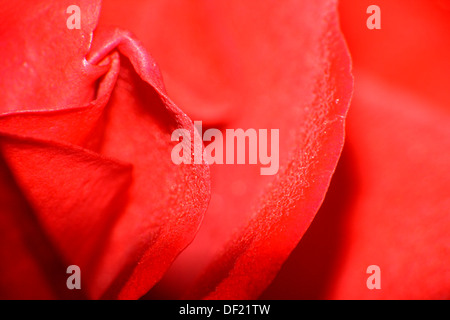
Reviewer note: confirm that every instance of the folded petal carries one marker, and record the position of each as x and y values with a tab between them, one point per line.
80	125
166	202
93	157
197	45
294	76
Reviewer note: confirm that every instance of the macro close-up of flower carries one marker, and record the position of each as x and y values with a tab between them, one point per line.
240	150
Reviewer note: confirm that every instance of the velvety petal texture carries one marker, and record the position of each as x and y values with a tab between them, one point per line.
86	159
231	66
85	142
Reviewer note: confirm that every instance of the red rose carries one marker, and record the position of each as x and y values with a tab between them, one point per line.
87	177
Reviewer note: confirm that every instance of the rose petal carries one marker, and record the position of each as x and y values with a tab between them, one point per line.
31	267
399	131
295	71
195	45
167	202
411	48
399	219
79	125
309	271
43	65
48	154
75	195
390	206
